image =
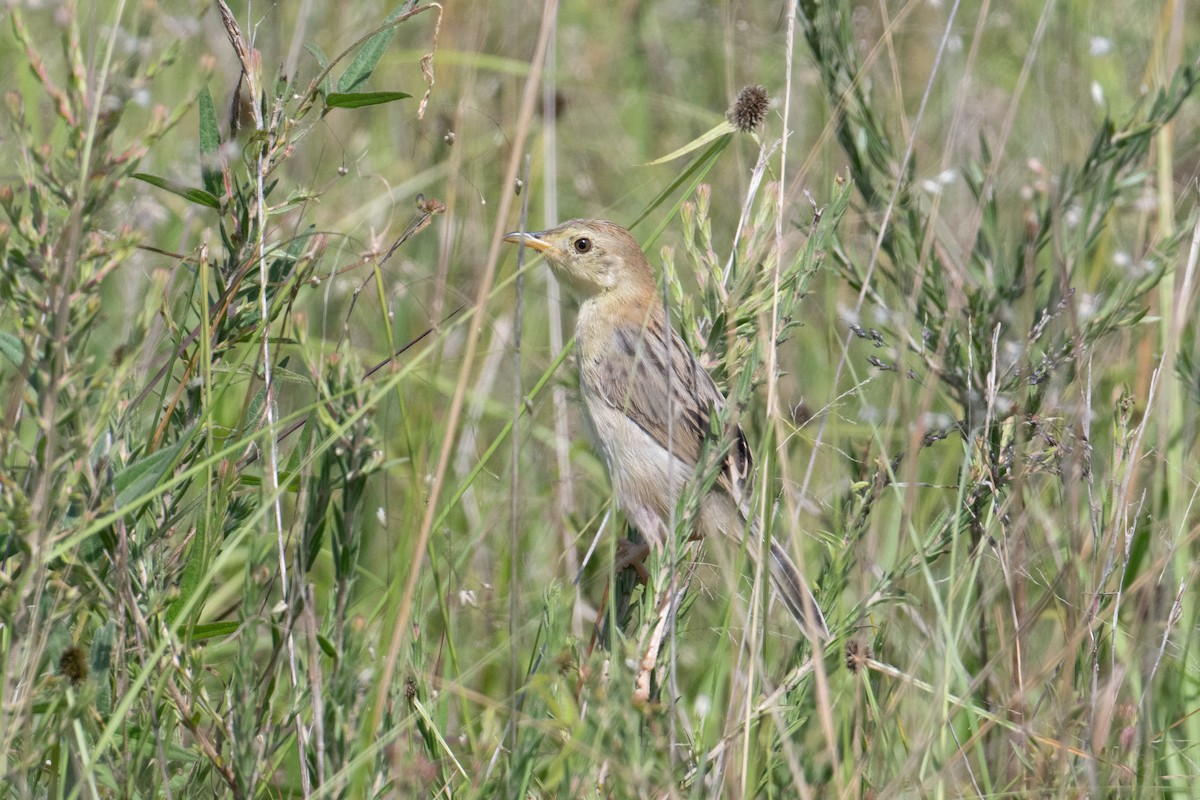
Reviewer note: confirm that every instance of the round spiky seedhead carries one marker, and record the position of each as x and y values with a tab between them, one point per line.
858	653
749	108
73	665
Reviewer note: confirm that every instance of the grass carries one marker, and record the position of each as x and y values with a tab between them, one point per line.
295	499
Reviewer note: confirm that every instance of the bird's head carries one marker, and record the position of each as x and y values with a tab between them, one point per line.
593	257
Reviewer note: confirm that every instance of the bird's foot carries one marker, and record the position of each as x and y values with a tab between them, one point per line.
632	555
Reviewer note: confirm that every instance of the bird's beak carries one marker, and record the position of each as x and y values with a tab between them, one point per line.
531	239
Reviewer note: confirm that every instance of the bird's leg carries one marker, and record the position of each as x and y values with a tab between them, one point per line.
632	555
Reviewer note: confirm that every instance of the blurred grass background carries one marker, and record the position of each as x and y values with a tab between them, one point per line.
976	427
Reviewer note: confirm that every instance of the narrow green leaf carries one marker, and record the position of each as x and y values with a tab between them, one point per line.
195	567
1138	553
368	57
361	99
210	145
211	630
698	168
254	411
303	445
723	128
140	477
198	196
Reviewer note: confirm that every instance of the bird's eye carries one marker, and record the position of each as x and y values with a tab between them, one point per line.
583	244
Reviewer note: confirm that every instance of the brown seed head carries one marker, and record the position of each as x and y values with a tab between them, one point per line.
858	653
749	108
73	666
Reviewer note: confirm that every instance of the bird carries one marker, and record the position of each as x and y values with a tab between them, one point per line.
648	402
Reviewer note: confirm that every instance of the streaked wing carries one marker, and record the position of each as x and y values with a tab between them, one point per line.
635	379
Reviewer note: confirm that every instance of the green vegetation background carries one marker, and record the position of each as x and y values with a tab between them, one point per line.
949	284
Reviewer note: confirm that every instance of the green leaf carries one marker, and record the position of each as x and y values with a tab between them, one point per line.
12	348
101	650
368	58
194	568
211	630
723	128
323	60
696	171
361	99
198	196
302	447
254	411
1138	553
326	646
140	477
210	145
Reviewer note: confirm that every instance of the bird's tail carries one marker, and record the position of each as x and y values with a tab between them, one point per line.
793	590
722	515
